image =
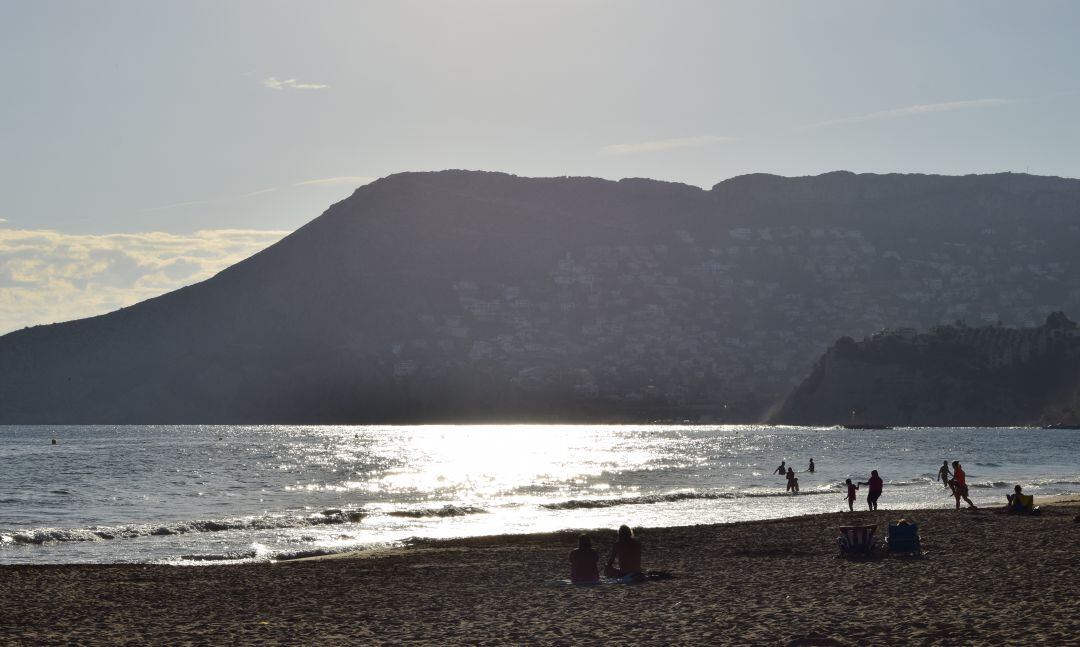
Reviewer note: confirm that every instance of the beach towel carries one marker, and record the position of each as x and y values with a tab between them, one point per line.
629	578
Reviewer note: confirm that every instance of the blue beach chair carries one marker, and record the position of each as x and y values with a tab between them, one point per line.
903	540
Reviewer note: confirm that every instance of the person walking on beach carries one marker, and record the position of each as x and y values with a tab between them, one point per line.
851	488
782	469
792	481
811	468
627	552
583	562
874	493
959	486
943	473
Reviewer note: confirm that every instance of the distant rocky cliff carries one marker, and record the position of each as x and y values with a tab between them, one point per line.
484	296
953	375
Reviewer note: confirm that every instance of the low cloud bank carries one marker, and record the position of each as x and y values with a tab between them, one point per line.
47	276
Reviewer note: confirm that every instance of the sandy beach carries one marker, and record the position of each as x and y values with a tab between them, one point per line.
989	578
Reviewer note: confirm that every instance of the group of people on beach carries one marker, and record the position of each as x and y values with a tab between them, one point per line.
792	480
874	486
957	481
625	558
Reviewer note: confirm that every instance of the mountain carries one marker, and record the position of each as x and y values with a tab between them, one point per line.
952	376
483	296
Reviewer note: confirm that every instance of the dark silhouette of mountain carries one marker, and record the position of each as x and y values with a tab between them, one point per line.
484	296
952	376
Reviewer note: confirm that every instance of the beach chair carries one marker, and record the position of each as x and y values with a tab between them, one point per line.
1026	504
903	540
856	540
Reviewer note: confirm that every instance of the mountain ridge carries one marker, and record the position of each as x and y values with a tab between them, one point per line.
467	295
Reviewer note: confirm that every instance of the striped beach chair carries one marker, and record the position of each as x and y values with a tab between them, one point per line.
856	540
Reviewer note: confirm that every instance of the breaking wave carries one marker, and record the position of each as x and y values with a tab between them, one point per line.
576	504
38	536
445	511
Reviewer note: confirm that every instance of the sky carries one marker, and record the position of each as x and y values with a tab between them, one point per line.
147	145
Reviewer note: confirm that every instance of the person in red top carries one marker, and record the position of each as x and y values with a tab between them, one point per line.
959	486
874	493
851	488
627	551
583	562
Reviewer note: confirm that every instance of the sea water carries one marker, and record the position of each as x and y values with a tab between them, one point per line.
221	494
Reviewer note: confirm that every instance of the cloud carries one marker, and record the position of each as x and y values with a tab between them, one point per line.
292	84
353	180
664	145
47	276
921	109
259	192
191	203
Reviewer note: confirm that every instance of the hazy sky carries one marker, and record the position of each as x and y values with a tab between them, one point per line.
187	117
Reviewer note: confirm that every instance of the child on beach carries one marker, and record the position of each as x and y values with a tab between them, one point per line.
583	562
851	488
792	481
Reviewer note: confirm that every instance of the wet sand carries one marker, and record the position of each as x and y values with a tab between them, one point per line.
989	578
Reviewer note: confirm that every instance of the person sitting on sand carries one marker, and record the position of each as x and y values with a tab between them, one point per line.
851	488
627	552
943	473
959	486
583	562
876	485
792	481
782	469
811	468
1014	503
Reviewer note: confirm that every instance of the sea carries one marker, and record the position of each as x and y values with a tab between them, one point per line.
196	495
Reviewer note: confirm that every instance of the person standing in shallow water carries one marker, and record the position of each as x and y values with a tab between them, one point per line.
583	562
782	469
875	486
792	481
943	473
811	468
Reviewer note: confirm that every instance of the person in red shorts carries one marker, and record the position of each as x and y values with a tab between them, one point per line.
959	486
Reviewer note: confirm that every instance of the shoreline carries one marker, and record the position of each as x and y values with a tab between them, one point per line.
988	578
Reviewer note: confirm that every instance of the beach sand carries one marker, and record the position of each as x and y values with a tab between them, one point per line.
988	579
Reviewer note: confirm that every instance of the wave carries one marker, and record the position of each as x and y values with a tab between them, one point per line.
39	536
671	497
991	484
921	480
445	511
988	464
